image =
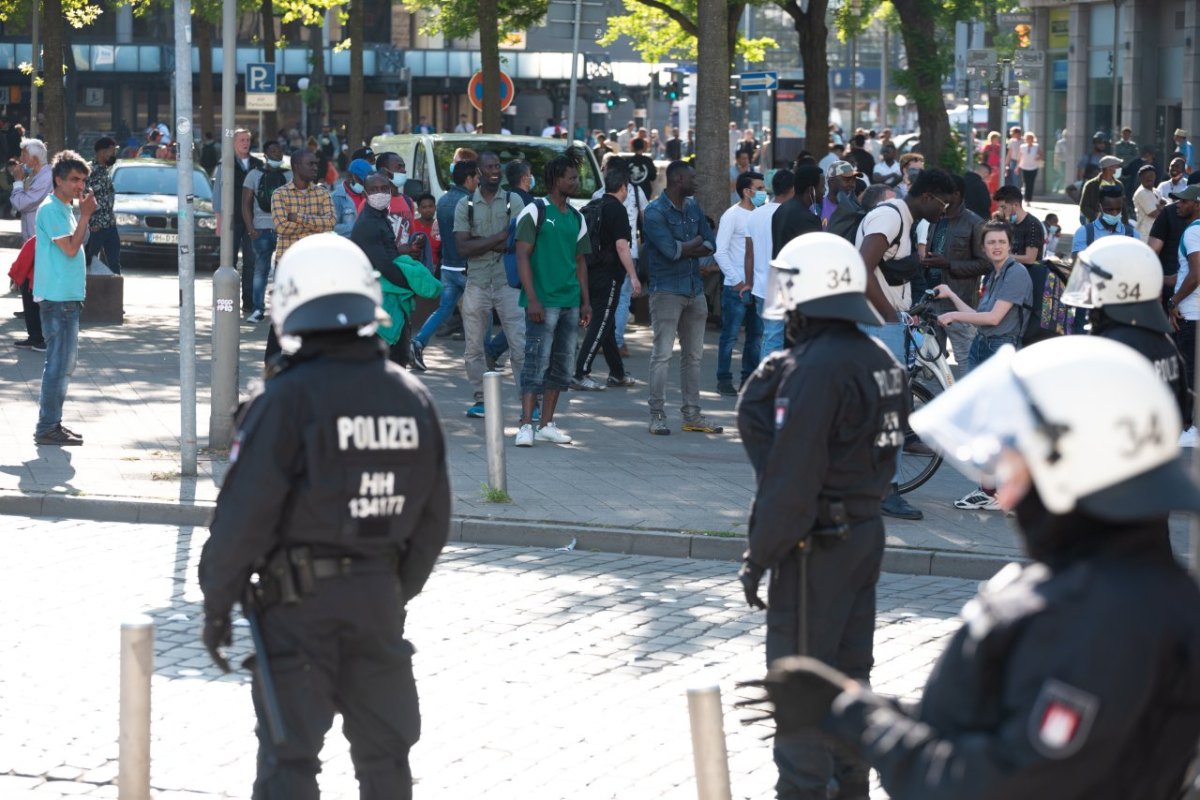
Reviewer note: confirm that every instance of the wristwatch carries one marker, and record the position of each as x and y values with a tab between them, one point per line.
1170	303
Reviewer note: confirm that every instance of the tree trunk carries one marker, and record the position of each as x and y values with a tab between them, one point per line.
489	51
317	80
712	124
995	102
54	131
813	36
733	19
71	99
270	118
917	26
354	127
202	33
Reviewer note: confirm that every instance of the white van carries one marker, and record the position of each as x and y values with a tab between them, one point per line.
427	158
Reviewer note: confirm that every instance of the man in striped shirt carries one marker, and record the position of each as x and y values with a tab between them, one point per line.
301	208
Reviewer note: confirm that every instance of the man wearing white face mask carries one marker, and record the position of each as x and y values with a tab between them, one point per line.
737	304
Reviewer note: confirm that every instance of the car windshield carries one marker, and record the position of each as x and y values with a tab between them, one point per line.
157	180
537	155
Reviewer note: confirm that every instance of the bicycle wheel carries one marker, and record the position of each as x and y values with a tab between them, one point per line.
919	461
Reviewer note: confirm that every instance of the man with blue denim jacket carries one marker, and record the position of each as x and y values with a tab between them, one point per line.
677	238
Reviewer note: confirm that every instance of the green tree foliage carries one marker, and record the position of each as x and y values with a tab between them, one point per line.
666	31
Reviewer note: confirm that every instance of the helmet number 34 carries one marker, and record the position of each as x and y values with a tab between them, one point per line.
1126	291
1139	439
839	278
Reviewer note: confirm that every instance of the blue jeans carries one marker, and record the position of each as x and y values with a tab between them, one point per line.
106	239
453	283
264	248
60	325
984	347
772	331
738	309
622	315
550	351
892	335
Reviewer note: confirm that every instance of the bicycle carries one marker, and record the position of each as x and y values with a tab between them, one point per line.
925	352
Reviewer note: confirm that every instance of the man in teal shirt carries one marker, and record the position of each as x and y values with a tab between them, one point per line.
554	294
59	284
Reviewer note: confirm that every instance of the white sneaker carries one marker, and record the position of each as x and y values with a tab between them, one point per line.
550	433
525	436
255	316
978	500
1188	437
588	384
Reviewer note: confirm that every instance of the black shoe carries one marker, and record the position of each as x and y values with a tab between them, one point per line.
58	437
19	314
894	505
417	357
30	344
70	432
726	388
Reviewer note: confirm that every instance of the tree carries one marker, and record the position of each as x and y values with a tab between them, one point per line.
812	35
460	19
712	90
354	127
667	30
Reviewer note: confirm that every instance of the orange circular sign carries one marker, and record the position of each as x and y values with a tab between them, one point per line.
475	90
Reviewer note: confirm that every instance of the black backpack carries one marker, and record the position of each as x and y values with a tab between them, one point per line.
592	214
271	180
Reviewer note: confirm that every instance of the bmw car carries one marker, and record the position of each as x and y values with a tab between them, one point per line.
145	209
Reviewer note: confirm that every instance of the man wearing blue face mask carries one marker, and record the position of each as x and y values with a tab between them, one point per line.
737	303
349	196
1112	201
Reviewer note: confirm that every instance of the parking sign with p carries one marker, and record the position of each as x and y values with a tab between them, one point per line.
260	87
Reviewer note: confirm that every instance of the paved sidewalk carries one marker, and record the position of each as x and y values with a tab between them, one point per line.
543	674
610	490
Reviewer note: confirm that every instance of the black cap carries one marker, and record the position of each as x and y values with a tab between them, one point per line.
365	153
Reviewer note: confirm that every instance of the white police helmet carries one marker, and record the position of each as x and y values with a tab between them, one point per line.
1123	276
820	275
1096	426
325	283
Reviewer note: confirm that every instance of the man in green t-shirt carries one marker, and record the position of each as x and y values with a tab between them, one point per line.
552	240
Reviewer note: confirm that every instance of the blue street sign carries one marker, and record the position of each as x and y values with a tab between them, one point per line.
758	81
260	79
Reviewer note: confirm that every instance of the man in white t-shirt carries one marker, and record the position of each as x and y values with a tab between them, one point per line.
1146	201
737	303
1176	181
757	262
887	169
1184	304
886	235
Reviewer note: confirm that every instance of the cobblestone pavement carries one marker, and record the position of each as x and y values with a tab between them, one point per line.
544	674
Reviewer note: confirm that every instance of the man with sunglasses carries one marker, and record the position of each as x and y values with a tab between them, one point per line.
886	241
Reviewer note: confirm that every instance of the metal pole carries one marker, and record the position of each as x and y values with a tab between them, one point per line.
574	70
1116	51
1194	528
187	237
226	282
708	743
137	665
493	424
37	63
883	83
853	84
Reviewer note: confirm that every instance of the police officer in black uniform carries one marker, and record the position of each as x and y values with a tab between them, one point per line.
821	424
337	500
1078	674
1120	279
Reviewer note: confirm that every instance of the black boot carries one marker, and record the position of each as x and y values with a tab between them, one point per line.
894	505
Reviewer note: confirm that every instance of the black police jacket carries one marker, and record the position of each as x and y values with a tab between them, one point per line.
821	422
1076	681
343	452
1160	349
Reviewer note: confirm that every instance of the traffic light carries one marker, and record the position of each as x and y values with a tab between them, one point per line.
610	101
674	90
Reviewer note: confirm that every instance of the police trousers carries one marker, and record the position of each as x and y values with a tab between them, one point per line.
842	575
342	649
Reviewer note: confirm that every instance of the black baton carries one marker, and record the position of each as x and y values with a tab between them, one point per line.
262	675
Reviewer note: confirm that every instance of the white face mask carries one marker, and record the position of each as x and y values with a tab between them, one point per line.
379	201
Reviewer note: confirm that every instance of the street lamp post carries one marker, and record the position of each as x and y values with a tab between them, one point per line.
302	85
855	7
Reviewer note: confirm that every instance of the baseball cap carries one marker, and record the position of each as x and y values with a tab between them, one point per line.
360	168
841	169
1110	161
1192	192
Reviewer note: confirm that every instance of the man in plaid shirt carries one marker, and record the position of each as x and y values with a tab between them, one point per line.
301	208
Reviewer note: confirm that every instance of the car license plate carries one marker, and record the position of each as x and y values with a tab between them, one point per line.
163	238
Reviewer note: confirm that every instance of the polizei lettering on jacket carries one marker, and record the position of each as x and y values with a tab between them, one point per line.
377	433
890	381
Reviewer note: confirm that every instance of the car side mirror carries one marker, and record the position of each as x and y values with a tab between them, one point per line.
414	188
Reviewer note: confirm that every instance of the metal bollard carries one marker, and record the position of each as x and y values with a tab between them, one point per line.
137	665
708	743
493	424
227	286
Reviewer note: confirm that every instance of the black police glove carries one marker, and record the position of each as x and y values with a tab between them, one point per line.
751	576
799	691
218	633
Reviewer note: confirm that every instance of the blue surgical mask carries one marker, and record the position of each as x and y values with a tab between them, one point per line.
357	188
532	182
1111	219
1012	218
399	179
274	164
760	198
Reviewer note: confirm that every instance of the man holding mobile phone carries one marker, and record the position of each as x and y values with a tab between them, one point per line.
59	285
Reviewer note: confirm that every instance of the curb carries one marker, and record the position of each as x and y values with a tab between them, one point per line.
518	533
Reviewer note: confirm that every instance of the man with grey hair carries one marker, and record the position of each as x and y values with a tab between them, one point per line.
31	184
